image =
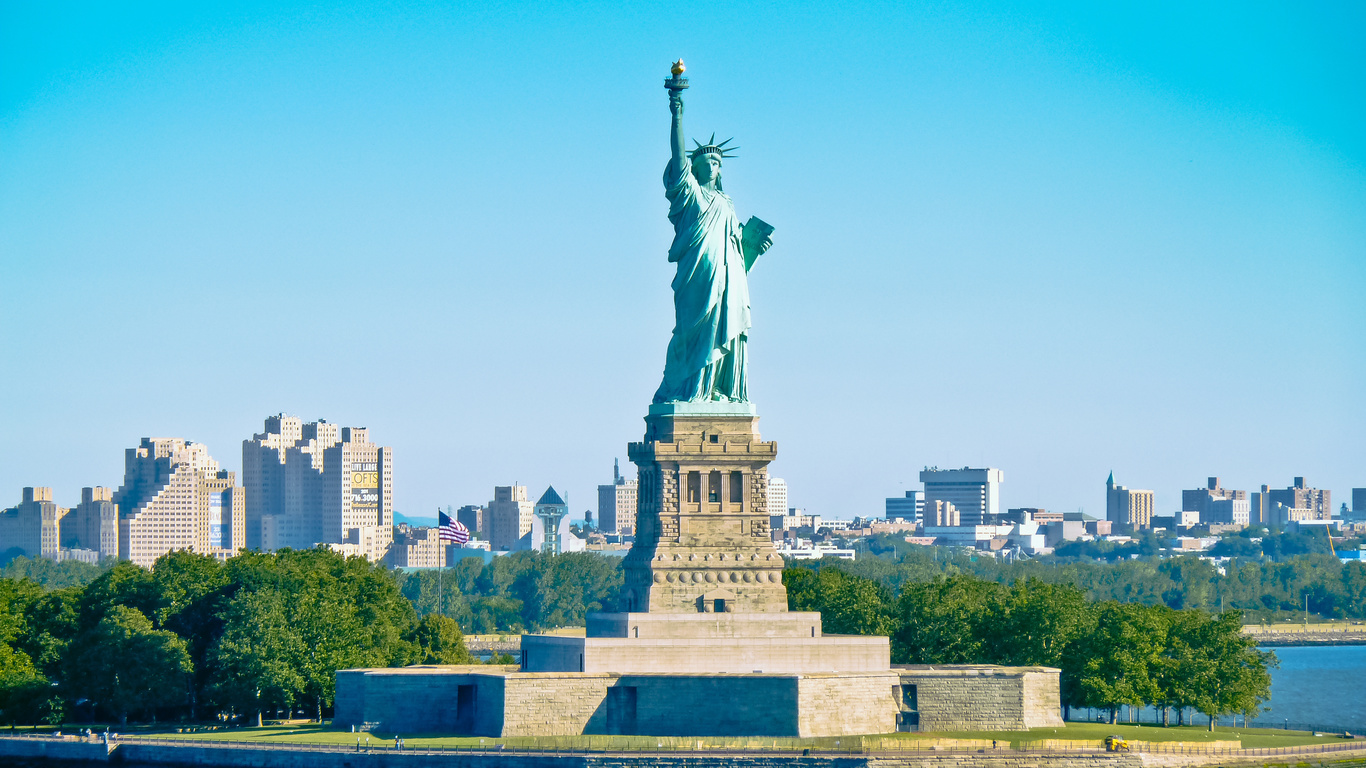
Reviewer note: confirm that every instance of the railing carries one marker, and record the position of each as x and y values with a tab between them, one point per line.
700	747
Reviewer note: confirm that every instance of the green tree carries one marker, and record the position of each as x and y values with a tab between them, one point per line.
940	622
23	690
848	604
1235	677
192	593
1032	623
438	640
127	666
1117	661
51	622
257	659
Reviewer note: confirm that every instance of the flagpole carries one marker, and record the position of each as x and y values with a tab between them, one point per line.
441	540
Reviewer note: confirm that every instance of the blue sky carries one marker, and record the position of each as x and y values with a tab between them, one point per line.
1058	239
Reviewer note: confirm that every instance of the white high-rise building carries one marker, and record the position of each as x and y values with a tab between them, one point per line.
777	497
174	496
510	515
318	483
976	493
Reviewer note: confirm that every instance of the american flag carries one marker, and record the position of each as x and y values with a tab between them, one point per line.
452	531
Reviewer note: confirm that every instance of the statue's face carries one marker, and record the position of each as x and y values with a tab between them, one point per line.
707	168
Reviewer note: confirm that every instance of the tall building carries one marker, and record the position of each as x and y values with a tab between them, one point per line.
174	496
509	517
617	504
93	524
1217	504
474	518
909	507
1260	507
318	483
1129	509
976	493
777	497
34	525
1359	503
1301	496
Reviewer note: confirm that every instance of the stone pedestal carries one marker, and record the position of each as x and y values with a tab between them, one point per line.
702	529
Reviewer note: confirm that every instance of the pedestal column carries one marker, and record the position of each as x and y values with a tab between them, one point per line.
702	528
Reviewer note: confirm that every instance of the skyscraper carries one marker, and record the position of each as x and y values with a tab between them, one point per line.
777	497
908	507
93	524
509	517
976	493
1129	509
1217	504
474	518
34	525
1301	496
617	504
173	497
318	483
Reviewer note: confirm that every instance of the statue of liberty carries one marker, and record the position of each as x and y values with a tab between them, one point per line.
714	252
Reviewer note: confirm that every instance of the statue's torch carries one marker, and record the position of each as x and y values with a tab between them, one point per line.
678	82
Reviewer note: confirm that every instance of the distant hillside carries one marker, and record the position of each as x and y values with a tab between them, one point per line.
429	522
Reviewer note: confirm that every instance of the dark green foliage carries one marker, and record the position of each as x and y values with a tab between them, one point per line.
126	666
1263	588
848	605
1110	653
194	636
45	573
437	640
517	592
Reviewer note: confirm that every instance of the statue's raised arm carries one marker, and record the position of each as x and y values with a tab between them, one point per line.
676	142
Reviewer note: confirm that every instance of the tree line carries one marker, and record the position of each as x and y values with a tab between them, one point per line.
1263	589
523	591
262	632
1110	653
196	638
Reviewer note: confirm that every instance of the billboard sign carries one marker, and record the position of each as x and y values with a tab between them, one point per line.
365	485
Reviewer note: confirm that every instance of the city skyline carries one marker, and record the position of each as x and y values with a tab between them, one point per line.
1087	241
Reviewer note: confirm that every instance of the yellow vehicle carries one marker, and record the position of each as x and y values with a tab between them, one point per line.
1116	744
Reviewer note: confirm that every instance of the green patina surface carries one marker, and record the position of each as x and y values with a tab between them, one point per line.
706	358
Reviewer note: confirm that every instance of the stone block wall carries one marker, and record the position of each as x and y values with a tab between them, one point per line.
985	697
416	700
548	704
1042	699
835	705
715	705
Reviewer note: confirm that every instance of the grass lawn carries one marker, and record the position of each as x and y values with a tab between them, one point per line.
313	734
1252	738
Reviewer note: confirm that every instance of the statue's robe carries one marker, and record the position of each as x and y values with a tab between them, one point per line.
706	357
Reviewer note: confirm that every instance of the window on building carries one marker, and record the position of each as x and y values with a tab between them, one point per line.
694	487
714	486
737	487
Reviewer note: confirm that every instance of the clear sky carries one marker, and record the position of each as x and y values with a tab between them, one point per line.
1057	239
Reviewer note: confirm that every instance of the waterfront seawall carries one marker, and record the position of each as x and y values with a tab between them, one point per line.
135	753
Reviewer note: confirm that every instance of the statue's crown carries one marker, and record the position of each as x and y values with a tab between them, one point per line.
712	148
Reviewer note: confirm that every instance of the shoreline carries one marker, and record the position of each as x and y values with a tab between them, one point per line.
150	753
